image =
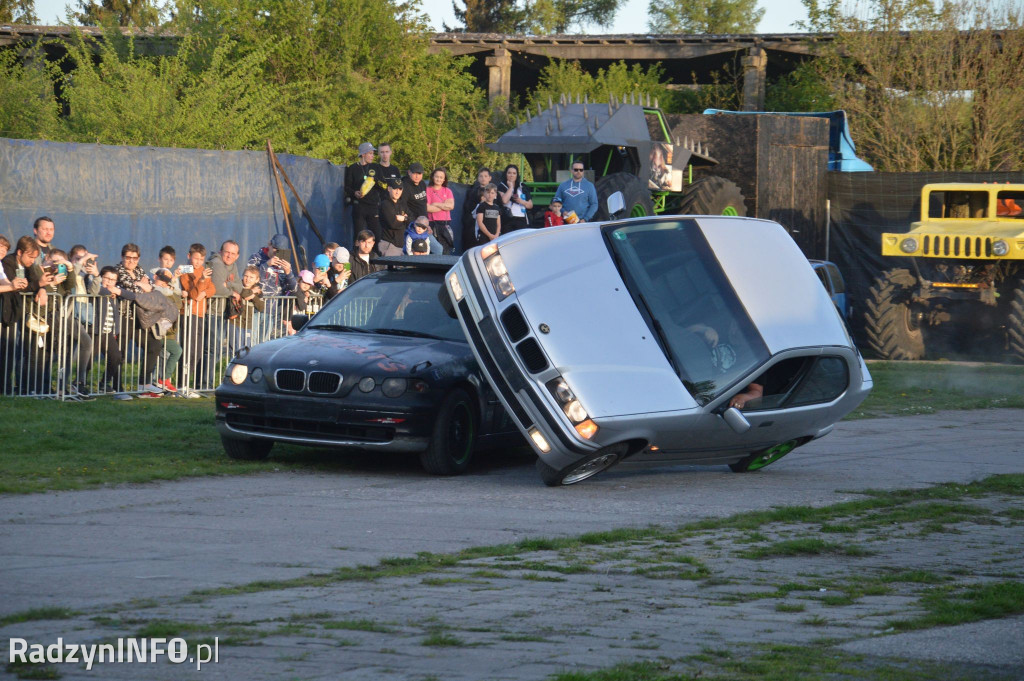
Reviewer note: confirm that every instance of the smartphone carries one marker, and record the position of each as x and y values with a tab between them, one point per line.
347	266
187	269
62	269
19	272
284	253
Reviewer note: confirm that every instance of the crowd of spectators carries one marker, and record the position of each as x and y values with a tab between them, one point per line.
195	309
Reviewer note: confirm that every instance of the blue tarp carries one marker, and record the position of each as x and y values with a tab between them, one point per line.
105	196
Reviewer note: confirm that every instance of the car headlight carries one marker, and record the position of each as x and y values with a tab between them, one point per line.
237	373
453	281
1000	247
908	245
367	384
572	408
495	266
393	387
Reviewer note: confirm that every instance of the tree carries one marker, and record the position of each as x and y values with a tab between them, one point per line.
18	12
489	16
28	108
704	16
533	16
937	98
136	13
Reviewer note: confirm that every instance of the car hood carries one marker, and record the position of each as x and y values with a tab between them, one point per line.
349	353
582	323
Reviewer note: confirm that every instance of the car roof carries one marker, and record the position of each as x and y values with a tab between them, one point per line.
423	262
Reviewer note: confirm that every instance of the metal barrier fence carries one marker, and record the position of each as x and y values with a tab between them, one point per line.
73	347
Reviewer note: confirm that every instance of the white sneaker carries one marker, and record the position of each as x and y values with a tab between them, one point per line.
152	388
190	394
122	396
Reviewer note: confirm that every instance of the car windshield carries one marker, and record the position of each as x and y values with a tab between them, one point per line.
401	303
685	296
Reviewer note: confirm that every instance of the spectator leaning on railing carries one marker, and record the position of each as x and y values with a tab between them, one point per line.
197	287
106	330
163	279
276	277
10	286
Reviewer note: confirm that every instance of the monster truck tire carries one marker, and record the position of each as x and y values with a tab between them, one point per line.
712	195
1015	322
636	196
889	324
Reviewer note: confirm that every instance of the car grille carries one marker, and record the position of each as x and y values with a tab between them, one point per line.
291	380
958	246
294	427
324	382
514	323
532	356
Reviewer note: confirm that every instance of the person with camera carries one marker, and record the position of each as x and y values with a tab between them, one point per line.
274	264
29	315
86	276
197	288
107	329
11	287
241	308
163	282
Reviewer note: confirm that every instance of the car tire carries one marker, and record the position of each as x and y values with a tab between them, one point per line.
583	469
891	323
637	197
765	457
246	450
453	436
712	195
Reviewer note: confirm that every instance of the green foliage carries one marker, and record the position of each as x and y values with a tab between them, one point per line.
28	108
532	16
802	89
128	99
137	13
618	79
704	16
18	12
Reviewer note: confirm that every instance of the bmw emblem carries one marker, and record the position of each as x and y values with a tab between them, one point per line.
544	328
313	362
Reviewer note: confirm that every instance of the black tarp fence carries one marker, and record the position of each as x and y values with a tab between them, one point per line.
105	196
863	206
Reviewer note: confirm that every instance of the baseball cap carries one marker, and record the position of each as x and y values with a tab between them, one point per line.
365	147
341	254
321	262
306	276
420	246
279	241
164	275
394	183
415	167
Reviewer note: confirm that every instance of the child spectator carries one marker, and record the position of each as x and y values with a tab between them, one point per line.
553	215
329	248
106	328
167	257
419	247
340	272
197	287
321	281
241	308
163	281
488	216
417	231
305	301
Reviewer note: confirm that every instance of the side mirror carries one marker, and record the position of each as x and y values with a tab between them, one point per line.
615	204
736	420
299	320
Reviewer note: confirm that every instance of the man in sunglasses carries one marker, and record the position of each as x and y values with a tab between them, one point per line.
578	195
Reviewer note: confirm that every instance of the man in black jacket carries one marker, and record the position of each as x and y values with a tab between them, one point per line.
393	221
20	266
362	260
361	190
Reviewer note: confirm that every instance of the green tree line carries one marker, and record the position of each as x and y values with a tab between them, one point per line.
318	77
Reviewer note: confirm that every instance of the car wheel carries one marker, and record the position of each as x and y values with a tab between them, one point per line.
246	450
759	460
585	468
636	197
453	437
892	321
1015	323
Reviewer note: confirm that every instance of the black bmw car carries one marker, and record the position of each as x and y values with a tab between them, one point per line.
381	367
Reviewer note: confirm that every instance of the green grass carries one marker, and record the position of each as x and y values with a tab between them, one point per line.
35	614
442	639
949	606
908	388
802	547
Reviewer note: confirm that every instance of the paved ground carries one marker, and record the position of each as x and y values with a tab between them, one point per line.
94	551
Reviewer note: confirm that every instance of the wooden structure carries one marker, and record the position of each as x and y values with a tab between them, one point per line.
779	162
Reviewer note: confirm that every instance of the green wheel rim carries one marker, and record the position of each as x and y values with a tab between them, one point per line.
730	211
638	211
771	455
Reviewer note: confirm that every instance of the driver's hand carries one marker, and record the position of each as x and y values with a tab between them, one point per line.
711	336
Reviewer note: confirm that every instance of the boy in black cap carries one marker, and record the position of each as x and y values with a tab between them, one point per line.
393	220
414	192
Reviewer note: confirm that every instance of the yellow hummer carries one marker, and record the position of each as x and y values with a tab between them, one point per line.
966	267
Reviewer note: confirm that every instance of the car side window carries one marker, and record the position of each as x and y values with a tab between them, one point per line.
799	381
820	271
838	286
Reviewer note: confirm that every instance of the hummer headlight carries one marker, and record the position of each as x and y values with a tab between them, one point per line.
908	245
1000	247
